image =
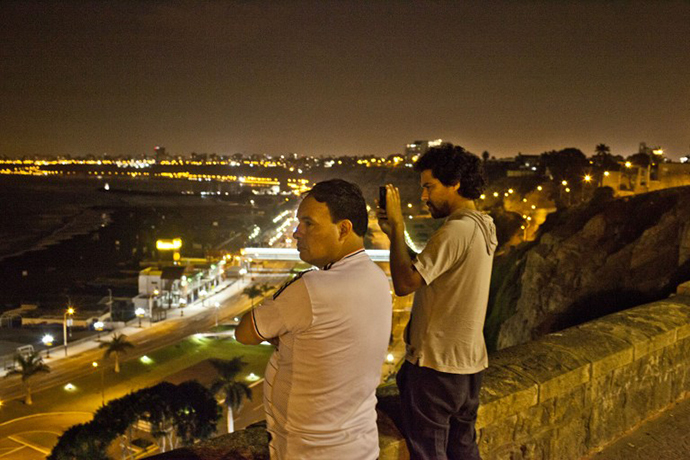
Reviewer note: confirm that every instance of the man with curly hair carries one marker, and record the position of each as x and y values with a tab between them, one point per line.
446	354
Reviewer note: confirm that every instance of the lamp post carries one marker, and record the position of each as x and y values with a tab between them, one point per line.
99	325
95	366
48	342
140	312
587	179
69	311
217	305
110	303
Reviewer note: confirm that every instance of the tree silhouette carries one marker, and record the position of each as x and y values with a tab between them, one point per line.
233	391
118	346
256	290
602	150
179	414
29	365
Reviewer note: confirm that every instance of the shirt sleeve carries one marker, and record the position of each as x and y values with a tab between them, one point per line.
290	312
445	249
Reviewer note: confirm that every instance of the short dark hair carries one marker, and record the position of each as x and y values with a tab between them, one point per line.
452	164
344	201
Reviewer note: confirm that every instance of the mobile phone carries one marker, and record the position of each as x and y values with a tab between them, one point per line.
382	197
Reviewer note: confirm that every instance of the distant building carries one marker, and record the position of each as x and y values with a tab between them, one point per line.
630	180
419	148
160	153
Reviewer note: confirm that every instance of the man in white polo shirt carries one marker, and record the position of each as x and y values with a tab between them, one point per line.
440	380
333	326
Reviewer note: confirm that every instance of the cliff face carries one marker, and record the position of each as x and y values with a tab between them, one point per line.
591	261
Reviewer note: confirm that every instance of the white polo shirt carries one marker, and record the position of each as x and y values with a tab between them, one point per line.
319	393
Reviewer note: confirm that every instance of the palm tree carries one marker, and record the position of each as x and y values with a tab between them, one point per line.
256	290
119	346
602	150
29	365
233	391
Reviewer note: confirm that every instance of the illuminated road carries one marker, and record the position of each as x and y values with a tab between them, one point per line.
146	340
32	437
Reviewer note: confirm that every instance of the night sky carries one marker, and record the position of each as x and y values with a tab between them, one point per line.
342	78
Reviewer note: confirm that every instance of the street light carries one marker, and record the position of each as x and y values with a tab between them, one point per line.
48	342
69	311
98	326
183	303
95	366
140	312
110	303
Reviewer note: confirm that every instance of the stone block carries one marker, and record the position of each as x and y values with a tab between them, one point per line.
536	448
571	440
497	434
393	449
604	351
605	422
571	406
553	369
504	393
645	334
534	420
655	379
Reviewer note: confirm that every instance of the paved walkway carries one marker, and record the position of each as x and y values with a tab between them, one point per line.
666	437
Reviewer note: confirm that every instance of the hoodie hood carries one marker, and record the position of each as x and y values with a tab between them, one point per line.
484	222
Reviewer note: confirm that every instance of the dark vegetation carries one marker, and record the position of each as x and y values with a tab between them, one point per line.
181	414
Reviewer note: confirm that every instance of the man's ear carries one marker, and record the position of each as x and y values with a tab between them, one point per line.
456	187
344	228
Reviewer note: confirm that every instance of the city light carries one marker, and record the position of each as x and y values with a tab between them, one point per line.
169	245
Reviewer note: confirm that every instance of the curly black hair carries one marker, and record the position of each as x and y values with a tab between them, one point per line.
452	164
344	201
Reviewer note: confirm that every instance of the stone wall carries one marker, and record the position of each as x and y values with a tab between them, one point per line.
562	396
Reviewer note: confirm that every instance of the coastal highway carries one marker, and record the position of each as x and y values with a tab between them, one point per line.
145	340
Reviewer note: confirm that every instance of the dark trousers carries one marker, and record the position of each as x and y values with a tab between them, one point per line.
439	412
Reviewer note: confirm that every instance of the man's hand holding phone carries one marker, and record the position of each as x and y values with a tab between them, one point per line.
389	212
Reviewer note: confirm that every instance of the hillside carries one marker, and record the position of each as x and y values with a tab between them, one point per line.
590	261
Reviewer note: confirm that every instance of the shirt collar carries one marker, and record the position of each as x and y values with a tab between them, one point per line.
349	256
